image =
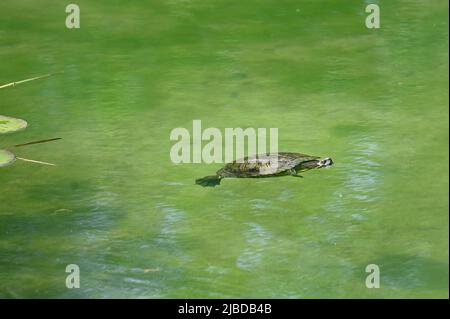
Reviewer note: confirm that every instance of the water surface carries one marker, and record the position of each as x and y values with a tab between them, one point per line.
135	223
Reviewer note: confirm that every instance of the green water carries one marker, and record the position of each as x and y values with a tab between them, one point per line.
375	100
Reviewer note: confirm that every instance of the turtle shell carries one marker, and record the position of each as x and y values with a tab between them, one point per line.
265	165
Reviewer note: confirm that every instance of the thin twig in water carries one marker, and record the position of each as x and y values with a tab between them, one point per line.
33	161
27	80
38	142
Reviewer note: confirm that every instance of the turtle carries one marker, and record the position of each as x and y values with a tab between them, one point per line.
266	165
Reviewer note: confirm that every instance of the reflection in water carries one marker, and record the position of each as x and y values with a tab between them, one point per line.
351	201
171	225
363	178
257	239
168	229
360	186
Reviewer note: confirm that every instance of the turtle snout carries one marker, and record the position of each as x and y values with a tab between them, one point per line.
326	162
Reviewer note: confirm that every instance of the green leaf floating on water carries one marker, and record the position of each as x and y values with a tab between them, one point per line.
6	158
11	124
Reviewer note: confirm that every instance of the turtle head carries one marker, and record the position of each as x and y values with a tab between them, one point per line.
327	161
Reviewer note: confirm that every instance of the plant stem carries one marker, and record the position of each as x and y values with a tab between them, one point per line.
27	80
33	161
38	142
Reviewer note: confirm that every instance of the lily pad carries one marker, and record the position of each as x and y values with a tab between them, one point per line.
11	124
6	158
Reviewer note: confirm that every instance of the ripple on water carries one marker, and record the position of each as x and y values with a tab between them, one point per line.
171	221
285	195
260	203
170	228
351	201
257	239
360	183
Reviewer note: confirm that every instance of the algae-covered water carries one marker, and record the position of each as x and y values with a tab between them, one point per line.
375	100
